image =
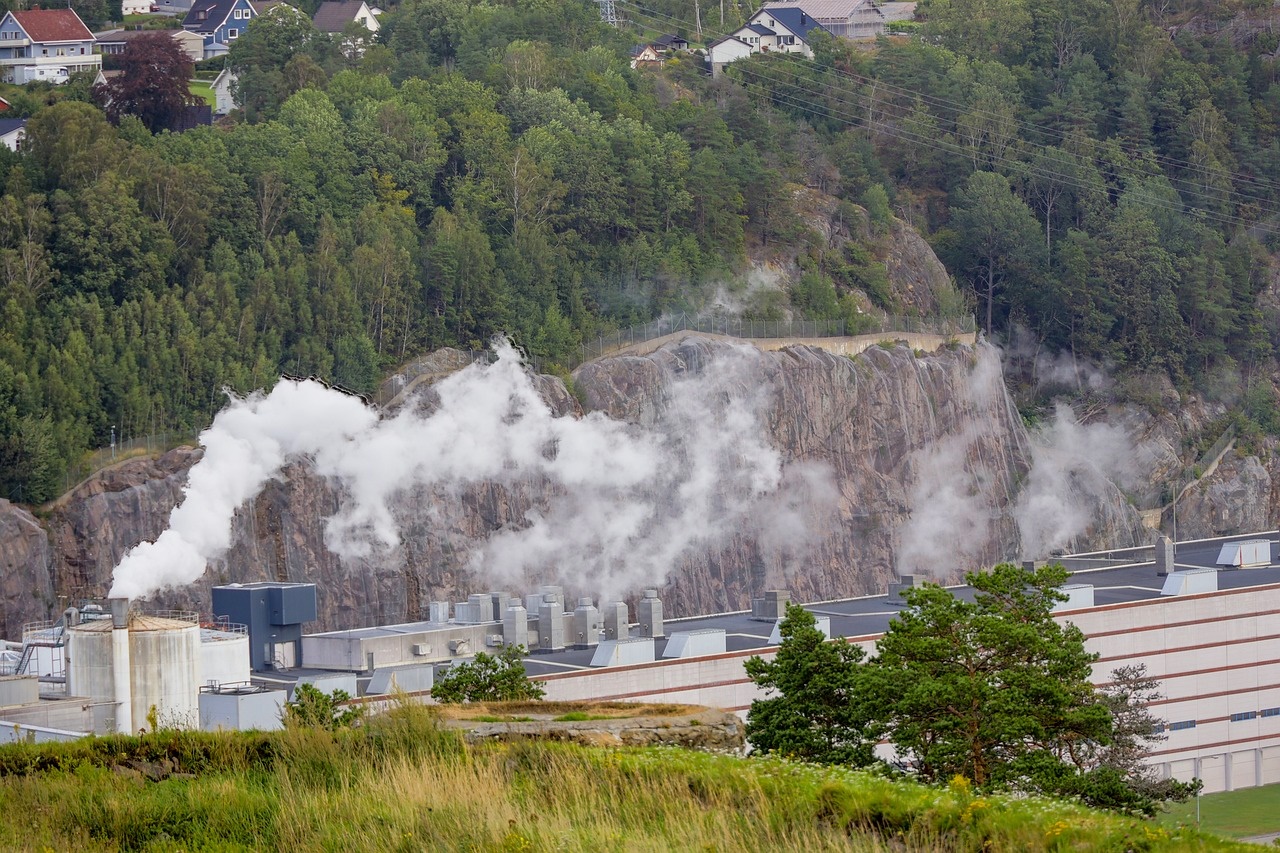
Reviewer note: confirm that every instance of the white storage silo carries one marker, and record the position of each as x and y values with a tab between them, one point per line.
162	657
224	655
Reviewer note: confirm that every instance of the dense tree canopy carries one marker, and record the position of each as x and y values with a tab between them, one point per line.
492	166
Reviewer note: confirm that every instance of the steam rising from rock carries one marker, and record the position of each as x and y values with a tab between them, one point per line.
1072	466
623	502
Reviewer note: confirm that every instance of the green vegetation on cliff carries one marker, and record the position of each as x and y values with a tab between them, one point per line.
399	783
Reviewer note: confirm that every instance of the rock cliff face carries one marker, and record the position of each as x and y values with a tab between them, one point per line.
26	563
903	439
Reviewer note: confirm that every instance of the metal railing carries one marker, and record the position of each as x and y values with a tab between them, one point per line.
93	462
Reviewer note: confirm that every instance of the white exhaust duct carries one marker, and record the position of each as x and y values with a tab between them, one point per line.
120	666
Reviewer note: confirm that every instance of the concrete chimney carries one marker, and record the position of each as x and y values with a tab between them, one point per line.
500	600
586	624
617	625
651	614
120	665
438	611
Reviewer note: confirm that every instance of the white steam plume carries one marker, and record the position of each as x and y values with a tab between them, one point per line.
623	503
1073	468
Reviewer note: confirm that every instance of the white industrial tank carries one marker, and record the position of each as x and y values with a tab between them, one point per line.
224	655
162	656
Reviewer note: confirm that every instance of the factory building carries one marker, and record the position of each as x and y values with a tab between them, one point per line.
1203	619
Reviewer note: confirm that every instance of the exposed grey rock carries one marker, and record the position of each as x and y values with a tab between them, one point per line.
869	420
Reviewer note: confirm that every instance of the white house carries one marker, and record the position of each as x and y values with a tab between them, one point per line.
728	49
333	17
780	30
12	131
224	99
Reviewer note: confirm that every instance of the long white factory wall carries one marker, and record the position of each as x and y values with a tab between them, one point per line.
1216	654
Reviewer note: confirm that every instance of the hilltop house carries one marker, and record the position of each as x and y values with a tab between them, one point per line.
851	19
39	43
645	55
786	29
333	17
223	94
669	43
12	132
219	23
115	41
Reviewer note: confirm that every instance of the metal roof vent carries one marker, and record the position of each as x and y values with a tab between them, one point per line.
1078	595
1191	582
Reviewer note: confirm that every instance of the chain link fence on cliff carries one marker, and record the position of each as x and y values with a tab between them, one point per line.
773	330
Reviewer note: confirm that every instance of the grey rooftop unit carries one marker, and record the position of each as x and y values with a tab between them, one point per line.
274	614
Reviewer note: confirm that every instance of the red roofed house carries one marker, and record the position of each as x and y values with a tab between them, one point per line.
45	44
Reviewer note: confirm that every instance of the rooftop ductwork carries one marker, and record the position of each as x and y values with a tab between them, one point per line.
651	615
772	607
550	624
617	625
904	582
586	624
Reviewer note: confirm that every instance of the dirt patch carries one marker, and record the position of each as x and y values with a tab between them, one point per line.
605	724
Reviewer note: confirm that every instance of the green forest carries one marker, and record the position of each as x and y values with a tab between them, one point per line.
1103	174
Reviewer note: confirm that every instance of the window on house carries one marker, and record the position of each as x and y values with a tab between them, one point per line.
44	51
1157	729
232	33
1244	715
62	51
1185	724
1271	712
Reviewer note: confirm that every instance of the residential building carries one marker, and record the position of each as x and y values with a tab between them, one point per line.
668	43
333	17
219	23
45	44
645	55
115	41
785	29
728	49
223	94
12	131
851	19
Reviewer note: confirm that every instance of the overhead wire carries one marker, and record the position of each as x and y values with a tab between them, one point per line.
1239	196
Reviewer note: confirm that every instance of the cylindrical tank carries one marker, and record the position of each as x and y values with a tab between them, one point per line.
224	656
164	663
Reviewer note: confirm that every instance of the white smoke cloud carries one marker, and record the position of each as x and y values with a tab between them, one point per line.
950	500
622	503
1073	467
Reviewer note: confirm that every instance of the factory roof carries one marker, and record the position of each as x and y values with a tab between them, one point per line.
1118	576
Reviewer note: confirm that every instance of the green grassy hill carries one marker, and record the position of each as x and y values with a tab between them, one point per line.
400	783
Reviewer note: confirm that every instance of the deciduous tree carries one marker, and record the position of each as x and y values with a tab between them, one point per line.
154	83
488	678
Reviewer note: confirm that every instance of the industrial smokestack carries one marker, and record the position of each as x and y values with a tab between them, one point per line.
120	666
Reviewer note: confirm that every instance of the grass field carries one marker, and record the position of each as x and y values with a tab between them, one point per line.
202	89
1234	814
399	782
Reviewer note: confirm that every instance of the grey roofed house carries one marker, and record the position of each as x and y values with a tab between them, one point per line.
851	19
12	130
333	17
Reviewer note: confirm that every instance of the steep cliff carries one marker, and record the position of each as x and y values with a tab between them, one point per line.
900	462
